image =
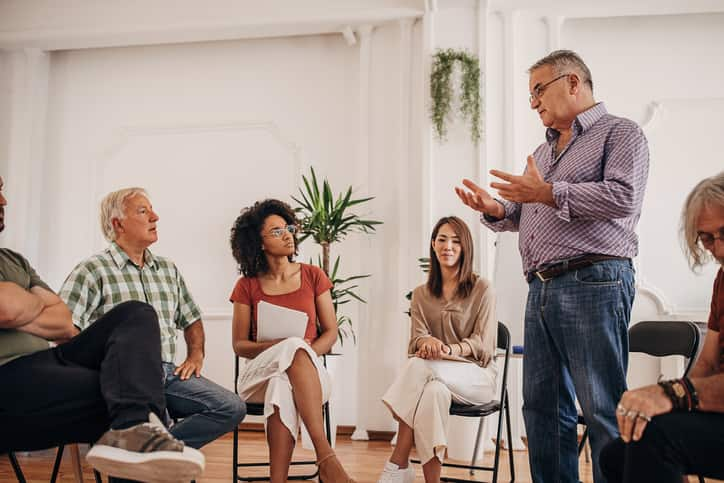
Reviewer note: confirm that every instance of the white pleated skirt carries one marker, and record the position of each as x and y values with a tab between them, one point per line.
264	379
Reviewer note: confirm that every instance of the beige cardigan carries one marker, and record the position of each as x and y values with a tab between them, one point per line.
469	321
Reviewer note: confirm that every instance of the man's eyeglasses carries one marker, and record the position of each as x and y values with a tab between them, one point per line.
708	239
279	232
541	88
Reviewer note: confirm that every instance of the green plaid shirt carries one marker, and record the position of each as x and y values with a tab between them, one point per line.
101	282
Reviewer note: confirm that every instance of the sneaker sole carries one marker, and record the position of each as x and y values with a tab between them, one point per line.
156	466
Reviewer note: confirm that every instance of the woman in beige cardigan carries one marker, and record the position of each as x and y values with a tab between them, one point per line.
452	348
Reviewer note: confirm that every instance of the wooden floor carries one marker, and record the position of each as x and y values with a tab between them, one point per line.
362	459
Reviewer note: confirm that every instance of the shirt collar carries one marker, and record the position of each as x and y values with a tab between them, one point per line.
121	258
582	122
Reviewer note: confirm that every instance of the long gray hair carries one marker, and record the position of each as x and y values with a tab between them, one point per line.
708	192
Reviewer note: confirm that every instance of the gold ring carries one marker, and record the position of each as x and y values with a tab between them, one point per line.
632	414
620	410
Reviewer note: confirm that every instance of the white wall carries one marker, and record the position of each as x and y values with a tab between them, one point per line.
5	82
214	106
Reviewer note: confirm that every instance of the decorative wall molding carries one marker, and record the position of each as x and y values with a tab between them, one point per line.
217	314
120	138
652	115
287	22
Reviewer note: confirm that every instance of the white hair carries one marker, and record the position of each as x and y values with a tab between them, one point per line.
113	207
708	192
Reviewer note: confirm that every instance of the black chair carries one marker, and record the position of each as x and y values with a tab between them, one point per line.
480	411
257	409
56	467
660	338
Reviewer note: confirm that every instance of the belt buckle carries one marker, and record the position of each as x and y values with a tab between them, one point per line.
541	277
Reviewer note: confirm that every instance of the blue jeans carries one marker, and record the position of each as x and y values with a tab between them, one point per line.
576	345
205	409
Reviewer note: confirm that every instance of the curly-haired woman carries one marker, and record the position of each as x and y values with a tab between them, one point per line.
285	374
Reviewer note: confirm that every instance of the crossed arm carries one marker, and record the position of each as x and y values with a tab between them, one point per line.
36	311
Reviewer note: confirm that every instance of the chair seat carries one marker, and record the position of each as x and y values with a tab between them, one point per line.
476	410
255	409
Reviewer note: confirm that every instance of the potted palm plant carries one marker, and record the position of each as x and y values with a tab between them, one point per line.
328	220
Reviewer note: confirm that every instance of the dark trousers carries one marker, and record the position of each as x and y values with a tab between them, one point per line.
109	375
673	445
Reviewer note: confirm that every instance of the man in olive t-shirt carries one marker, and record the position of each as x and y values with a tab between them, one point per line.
103	386
19	341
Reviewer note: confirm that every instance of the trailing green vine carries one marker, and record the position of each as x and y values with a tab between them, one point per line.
442	91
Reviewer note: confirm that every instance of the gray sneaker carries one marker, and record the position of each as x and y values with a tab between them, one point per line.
145	452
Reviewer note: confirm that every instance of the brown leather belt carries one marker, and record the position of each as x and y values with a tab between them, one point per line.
566	266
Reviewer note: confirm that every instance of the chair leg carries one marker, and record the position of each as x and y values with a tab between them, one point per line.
481	424
16	467
56	465
327	423
75	463
496	460
583	441
235	455
97	476
510	439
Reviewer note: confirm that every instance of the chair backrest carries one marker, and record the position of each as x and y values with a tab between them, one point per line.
504	344
666	338
503	337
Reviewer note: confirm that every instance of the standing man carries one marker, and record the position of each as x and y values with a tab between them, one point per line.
127	270
101	386
576	208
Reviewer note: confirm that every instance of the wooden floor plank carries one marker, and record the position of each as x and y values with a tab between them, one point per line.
362	459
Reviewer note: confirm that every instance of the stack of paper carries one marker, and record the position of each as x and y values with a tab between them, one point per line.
276	322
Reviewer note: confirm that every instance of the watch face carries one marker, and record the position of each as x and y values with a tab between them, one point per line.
678	389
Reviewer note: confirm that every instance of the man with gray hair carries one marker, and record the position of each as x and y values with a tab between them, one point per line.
127	270
575	208
102	386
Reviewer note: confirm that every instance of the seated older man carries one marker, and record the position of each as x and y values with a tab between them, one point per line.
72	393
676	427
127	270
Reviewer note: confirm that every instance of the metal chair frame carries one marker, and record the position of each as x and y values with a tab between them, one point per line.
56	466
682	338
480	411
257	409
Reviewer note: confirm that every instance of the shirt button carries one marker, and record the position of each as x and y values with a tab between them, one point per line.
535	211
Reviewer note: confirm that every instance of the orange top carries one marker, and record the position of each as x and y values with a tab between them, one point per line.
315	282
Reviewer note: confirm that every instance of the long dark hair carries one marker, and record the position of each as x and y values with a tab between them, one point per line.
466	277
246	235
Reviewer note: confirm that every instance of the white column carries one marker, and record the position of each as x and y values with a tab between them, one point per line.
428	47
485	243
26	149
362	173
509	31
404	248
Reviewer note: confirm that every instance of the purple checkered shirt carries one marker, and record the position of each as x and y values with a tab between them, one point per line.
598	180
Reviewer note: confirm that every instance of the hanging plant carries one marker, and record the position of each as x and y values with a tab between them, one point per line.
441	90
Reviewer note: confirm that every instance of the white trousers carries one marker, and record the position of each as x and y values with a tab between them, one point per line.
264	379
422	393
